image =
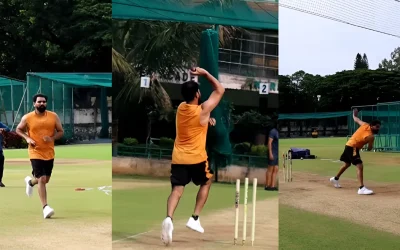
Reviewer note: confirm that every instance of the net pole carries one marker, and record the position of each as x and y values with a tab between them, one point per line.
20	104
52	95
63	100
12	101
27	93
40	85
72	112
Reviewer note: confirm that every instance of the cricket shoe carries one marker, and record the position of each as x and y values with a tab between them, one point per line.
365	190
29	189
166	231
195	225
47	212
335	182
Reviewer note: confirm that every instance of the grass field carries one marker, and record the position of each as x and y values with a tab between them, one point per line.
314	215
139	206
82	219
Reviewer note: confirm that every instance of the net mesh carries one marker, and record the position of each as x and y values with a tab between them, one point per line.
11	94
389	115
250	14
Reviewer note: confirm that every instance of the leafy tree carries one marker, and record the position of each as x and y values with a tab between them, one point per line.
361	62
61	36
393	64
365	61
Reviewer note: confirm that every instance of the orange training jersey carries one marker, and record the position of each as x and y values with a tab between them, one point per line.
190	141
358	138
39	126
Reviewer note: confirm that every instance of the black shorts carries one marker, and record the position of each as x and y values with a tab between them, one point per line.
42	167
181	174
351	155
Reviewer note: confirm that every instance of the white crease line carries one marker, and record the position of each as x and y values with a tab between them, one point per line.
133	236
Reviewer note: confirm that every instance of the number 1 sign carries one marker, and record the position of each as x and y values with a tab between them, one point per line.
145	82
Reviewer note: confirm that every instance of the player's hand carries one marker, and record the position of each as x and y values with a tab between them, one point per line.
212	121
47	139
271	157
31	142
355	112
198	71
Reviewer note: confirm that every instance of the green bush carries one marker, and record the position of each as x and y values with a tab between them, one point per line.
130	141
259	150
166	142
242	148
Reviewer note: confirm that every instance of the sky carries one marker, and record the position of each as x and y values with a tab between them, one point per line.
321	46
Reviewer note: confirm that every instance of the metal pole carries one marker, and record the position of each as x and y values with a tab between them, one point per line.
27	94
72	112
52	95
20	104
12	101
63	109
40	85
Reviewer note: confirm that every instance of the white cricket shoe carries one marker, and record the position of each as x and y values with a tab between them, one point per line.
166	231
365	190
48	212
335	182
29	189
195	225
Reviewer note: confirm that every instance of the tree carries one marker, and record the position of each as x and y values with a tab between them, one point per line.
393	63
62	36
365	61
361	62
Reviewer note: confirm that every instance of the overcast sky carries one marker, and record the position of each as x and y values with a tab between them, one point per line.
321	46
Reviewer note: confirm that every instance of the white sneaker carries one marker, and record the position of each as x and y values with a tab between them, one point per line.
48	212
335	182
365	190
29	189
166	232
195	225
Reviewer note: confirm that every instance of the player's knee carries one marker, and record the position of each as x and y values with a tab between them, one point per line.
47	179
42	180
177	190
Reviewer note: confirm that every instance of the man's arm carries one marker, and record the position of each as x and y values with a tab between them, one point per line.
215	96
21	128
59	129
370	140
356	119
270	140
4	127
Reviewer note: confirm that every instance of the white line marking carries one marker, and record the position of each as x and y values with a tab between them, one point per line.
132	236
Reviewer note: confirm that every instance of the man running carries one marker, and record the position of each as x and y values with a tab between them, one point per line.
351	155
189	156
273	166
43	128
3	128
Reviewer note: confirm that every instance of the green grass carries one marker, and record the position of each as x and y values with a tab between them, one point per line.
17	209
141	209
83	151
300	230
378	166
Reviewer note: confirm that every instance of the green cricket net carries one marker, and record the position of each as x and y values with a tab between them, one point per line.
218	144
11	94
16	96
388	113
250	14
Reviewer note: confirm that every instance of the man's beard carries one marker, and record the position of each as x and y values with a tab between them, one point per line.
375	131
41	109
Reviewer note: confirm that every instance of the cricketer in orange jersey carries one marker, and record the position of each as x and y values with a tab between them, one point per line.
189	156
351	154
40	128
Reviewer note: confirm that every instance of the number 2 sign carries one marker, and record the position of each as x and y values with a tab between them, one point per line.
264	88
